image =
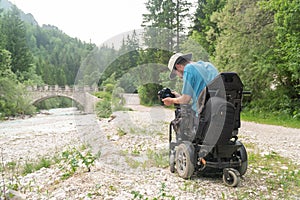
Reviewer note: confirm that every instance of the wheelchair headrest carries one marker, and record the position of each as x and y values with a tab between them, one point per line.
223	84
226	81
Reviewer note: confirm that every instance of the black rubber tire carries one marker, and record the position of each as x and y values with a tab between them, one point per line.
244	157
184	165
233	178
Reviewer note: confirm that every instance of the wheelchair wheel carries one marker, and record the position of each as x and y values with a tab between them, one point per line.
243	155
231	177
184	164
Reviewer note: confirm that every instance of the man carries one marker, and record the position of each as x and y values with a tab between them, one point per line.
195	75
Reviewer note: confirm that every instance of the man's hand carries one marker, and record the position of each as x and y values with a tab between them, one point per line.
184	99
168	101
176	94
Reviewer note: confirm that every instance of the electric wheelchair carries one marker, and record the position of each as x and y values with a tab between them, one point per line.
207	141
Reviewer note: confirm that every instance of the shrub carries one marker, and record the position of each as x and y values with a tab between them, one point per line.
148	93
103	95
109	88
103	108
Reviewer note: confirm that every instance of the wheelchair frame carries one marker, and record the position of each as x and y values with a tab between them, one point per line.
210	142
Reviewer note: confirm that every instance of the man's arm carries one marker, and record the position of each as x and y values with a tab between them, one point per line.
184	99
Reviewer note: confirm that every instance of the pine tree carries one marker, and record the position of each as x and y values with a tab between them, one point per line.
206	31
14	30
165	23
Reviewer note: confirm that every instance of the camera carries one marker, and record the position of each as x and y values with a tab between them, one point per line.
164	93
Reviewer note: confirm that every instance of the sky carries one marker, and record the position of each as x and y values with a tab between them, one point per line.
95	21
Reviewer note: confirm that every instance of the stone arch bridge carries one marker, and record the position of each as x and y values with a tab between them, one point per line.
80	94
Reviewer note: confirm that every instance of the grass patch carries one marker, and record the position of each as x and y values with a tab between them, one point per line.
31	167
279	174
154	159
162	194
132	162
121	132
271	118
158	159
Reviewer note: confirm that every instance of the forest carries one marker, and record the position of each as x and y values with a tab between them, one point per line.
258	39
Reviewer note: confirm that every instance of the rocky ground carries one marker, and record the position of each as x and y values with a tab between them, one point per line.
133	162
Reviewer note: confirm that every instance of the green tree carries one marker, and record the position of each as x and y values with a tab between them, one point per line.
165	23
14	30
286	56
148	93
126	58
12	93
205	31
55	53
5	65
245	43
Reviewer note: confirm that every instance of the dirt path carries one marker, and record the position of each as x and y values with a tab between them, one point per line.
268	138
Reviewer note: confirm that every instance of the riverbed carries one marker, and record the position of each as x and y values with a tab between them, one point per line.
124	141
43	134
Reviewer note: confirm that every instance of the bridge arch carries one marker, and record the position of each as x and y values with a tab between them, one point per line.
80	95
36	101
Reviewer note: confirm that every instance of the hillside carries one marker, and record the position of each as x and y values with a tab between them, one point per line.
26	17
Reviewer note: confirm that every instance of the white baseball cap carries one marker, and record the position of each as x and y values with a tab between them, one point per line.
174	59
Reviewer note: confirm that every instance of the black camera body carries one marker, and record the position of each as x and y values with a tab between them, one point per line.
164	93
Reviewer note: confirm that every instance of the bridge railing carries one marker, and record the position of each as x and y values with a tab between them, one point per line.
66	88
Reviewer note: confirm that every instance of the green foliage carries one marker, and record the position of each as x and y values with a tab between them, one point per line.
206	31
128	83
33	55
118	101
196	48
241	46
74	159
278	172
57	56
103	95
103	108
13	100
269	102
30	167
162	194
125	59
148	93
14	29
164	22
273	118
287	44
109	87
55	102
156	159
257	40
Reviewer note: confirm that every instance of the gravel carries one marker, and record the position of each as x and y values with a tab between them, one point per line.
124	141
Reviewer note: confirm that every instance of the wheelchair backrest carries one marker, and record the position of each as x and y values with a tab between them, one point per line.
222	95
229	86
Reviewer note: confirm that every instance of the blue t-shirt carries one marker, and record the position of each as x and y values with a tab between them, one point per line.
195	78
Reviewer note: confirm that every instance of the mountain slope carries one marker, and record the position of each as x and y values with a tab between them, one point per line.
7	5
